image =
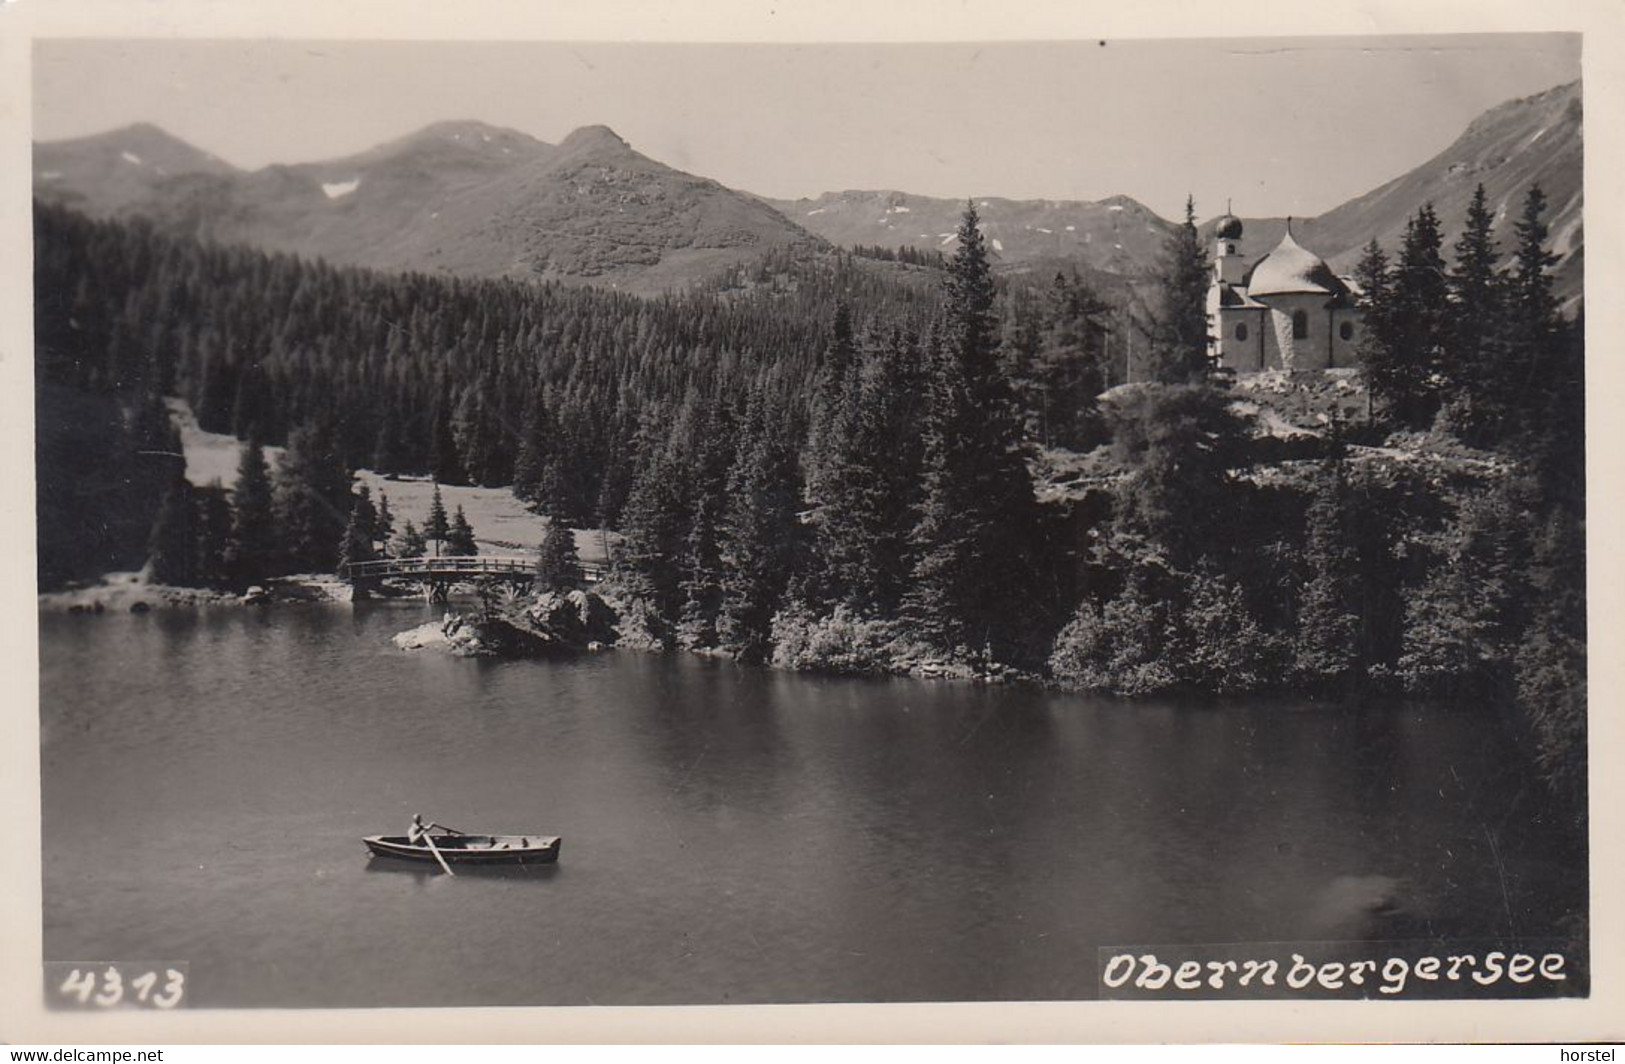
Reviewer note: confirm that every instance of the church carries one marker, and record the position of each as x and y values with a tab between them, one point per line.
1286	311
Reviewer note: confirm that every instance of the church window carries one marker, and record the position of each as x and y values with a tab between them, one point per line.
1241	330
1346	330
1300	325
1230	249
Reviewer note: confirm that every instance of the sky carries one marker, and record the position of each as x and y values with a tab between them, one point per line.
1273	125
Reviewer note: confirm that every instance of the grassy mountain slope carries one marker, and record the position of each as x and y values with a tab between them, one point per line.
1118	234
460	198
1537	139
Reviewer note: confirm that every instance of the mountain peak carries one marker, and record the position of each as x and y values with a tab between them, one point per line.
464	136
138	145
593	137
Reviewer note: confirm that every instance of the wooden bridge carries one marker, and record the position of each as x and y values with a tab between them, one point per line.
437	575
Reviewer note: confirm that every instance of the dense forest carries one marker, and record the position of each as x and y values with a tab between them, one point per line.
830	463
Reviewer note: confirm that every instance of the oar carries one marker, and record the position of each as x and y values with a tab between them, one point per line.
436	851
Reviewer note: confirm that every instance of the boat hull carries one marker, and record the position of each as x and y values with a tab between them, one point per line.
470	849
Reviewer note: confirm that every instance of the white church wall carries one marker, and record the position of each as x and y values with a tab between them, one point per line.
1346	324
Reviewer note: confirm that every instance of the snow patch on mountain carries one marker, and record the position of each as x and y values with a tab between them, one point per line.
130	157
336	189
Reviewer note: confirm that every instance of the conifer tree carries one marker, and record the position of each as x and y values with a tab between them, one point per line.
1418	324
460	540
1475	357
1326	643
366	513
1180	443
1179	330
356	544
972	540
312	497
1374	276
384	525
437	528
1066	368
386	448
214	523
702	558
1459	621
558	567
1534	334
1532	300
656	518
863	526
251	549
1550	662
831	403
411	543
445	464
172	547
758	530
534	459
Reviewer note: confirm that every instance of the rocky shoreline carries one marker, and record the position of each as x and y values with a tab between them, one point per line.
555	624
550	624
133	593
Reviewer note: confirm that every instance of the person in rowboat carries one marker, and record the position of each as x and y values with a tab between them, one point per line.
415	833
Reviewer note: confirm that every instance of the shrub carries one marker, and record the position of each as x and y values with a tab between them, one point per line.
842	642
1120	648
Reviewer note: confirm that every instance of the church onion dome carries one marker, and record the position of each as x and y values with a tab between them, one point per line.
1290	269
1229	227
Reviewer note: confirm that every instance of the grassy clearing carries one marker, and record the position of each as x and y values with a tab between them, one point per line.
210	456
502	524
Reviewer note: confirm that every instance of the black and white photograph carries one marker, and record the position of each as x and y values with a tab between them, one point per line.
531	521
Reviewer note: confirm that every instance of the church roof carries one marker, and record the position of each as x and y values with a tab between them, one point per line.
1291	268
1231	297
1229	227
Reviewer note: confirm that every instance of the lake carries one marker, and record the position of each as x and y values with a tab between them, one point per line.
730	834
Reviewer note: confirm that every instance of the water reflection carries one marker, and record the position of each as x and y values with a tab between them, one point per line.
517	872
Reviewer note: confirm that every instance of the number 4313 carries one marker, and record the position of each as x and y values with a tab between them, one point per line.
107	987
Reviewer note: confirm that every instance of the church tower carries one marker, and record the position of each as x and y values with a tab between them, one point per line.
1229	266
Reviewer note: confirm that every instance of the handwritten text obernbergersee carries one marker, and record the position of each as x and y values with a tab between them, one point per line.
1337	970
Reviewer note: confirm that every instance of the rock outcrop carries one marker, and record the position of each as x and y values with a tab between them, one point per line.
551	624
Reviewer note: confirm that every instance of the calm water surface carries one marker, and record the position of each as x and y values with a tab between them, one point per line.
730	834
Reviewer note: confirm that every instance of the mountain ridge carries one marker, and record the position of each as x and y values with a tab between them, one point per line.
1492	148
465	197
458	197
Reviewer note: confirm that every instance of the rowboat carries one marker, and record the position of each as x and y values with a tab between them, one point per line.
468	849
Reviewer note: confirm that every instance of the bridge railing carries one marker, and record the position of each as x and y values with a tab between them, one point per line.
454	565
